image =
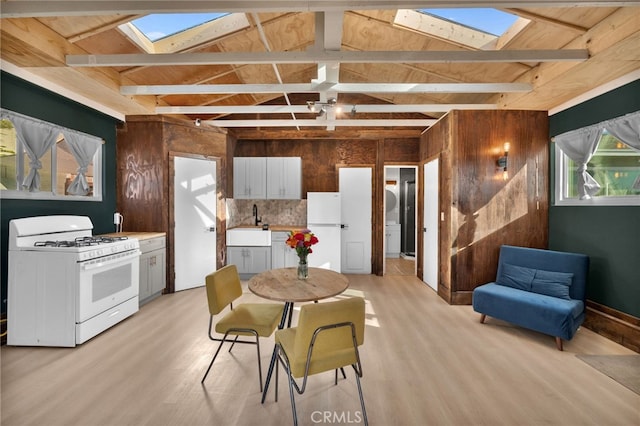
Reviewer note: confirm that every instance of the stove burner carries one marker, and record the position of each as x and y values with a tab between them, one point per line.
79	242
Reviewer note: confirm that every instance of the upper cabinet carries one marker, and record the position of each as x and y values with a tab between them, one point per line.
267	178
249	178
284	177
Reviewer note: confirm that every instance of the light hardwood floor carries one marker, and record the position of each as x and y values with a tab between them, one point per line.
425	363
400	266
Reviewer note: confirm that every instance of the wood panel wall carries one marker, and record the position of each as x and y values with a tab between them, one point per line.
482	211
145	149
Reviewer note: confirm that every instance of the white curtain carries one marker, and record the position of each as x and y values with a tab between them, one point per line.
37	138
83	150
580	145
626	128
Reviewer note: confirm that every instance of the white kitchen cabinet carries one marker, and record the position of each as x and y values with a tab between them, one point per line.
249	260
282	256
249	178
152	268
284	178
392	240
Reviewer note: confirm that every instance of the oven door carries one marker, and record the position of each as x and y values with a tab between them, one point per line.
106	282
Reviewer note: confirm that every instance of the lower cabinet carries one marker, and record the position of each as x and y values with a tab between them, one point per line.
152	268
282	256
249	260
392	235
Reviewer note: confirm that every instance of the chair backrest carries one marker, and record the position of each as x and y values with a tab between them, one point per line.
334	346
223	287
549	260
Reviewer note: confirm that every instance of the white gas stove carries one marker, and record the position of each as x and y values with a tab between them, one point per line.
65	285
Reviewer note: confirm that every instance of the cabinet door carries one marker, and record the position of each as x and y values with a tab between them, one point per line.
284	177
249	177
157	271
258	259
144	289
282	256
236	256
249	260
393	240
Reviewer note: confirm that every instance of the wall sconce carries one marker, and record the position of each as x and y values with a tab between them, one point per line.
198	122
503	161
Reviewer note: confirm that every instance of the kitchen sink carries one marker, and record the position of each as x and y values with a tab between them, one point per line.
248	236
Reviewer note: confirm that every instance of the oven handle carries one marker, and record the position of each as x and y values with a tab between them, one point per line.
110	260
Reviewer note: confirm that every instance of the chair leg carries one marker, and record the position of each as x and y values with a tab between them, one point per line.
212	360
277	371
293	399
364	410
559	343
234	342
259	363
482	318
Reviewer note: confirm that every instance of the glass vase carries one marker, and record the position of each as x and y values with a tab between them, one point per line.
303	269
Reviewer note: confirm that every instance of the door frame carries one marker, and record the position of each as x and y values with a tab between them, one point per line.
384	213
170	226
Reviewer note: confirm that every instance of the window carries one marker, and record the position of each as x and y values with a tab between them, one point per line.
157	26
39	160
615	167
179	32
492	21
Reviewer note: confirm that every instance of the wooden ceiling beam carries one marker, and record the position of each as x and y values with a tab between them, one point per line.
323	123
321	134
555	22
95	31
327	56
346	108
42	8
372	87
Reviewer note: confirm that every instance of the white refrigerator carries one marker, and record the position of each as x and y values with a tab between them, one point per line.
323	219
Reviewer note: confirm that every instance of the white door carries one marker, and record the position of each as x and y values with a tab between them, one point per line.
430	230
355	193
195	220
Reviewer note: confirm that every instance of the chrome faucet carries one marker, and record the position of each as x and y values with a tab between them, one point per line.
255	214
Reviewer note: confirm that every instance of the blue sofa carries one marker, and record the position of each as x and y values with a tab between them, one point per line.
542	290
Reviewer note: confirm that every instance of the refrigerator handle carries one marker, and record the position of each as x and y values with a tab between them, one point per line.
344	226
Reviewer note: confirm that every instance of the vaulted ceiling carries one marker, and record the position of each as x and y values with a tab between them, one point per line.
263	65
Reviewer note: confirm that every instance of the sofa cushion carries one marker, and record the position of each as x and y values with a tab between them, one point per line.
546	314
516	276
550	283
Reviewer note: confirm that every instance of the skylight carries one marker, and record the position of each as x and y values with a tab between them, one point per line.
491	21
158	26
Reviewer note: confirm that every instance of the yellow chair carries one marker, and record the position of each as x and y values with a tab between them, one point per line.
326	338
246	319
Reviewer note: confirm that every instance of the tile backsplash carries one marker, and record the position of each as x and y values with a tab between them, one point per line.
273	212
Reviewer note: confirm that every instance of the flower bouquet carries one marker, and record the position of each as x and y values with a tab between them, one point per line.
302	241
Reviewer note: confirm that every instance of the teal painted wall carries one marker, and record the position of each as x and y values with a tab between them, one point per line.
26	98
610	235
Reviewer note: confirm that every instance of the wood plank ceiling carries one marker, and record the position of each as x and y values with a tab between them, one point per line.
260	66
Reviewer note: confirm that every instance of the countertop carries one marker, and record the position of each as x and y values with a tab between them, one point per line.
274	228
138	235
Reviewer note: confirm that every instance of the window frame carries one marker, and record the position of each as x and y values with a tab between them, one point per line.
21	171
561	188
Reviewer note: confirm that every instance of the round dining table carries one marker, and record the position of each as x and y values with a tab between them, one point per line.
283	285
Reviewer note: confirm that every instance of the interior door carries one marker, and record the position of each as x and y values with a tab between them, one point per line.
355	194
195	220
430	230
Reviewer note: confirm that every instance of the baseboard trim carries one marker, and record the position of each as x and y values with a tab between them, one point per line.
618	326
